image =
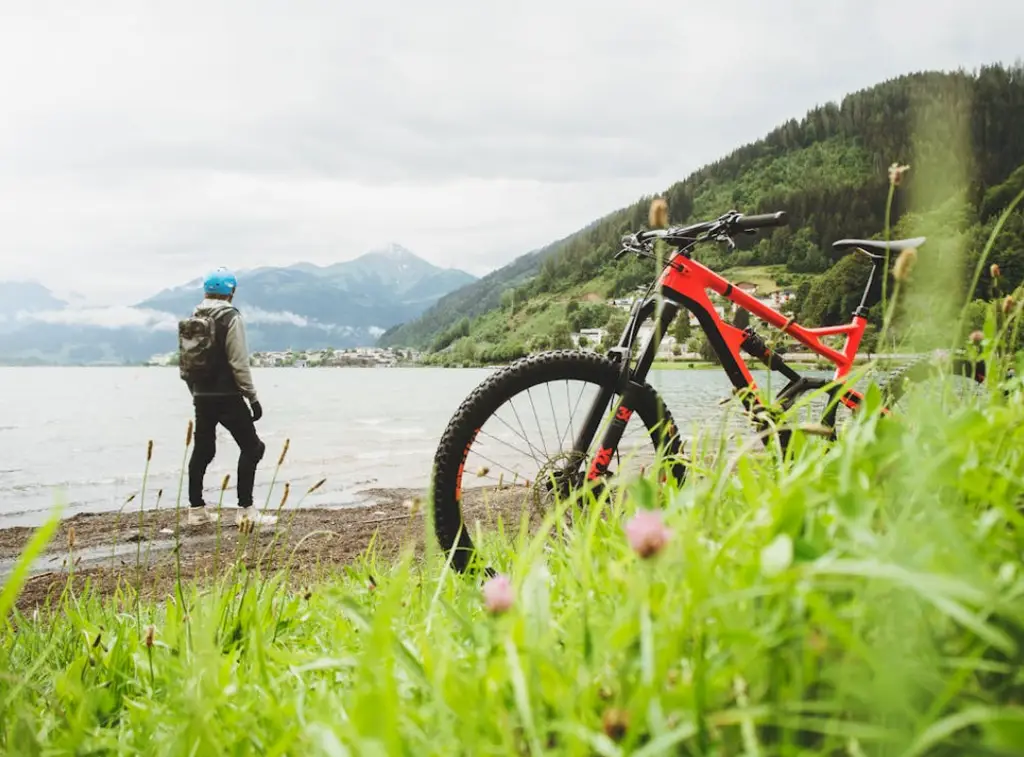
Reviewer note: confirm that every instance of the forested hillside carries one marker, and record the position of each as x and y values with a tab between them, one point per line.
962	134
469	301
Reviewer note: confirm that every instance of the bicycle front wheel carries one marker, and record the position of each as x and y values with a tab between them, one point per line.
512	449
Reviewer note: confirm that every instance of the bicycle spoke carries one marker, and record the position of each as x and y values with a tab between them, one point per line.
528	444
499	465
510	446
543	444
520	422
573	411
554	417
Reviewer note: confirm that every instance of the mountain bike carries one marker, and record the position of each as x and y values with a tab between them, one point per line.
622	394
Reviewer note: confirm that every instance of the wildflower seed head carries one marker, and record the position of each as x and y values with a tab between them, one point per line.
977	337
482	471
287	489
71	538
904	264
647	534
317	485
657	215
284	451
896	172
225	482
150	634
1008	304
149	451
188	433
499	596
615	723
993	271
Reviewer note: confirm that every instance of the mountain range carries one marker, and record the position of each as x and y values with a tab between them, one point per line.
959	131
301	306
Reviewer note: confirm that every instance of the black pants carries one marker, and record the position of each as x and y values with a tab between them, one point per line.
233	414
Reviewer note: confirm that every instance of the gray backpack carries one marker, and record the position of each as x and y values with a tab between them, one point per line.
197	347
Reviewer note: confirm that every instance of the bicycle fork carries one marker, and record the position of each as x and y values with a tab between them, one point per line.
631	381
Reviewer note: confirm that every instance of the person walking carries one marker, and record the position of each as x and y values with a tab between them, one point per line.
214	363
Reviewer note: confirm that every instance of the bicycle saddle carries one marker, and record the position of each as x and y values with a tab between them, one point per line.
875	248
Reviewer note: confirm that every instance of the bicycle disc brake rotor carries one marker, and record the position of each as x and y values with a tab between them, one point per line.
556	479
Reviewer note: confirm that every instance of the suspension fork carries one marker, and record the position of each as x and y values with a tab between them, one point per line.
631	383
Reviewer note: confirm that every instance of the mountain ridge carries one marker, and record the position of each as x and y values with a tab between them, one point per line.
300	306
827	170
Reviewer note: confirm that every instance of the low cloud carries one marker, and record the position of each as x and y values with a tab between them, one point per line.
256	315
125	317
115	317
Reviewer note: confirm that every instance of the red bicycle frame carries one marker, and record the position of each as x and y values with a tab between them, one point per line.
688	282
684	285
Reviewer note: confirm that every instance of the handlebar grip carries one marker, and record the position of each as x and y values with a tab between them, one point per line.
764	221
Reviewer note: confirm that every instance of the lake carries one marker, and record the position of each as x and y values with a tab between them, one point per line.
79	435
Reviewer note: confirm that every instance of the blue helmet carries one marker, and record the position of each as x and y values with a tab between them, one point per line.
220	281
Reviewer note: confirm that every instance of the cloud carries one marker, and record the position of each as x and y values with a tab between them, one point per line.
140	148
255	315
114	317
122	317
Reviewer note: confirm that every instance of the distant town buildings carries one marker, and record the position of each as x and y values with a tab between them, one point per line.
366	357
363	357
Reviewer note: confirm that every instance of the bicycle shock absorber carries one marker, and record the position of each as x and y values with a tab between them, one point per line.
755	346
611	439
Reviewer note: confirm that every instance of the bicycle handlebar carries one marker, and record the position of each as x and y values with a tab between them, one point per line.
764	221
721	229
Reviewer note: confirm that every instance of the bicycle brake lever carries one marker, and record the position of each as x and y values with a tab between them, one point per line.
723	236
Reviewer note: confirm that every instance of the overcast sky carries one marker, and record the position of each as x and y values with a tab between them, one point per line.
142	143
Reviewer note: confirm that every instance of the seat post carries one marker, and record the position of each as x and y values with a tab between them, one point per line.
862	310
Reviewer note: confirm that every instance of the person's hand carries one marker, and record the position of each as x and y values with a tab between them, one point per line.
257	411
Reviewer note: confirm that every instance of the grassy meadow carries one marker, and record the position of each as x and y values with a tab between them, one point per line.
862	597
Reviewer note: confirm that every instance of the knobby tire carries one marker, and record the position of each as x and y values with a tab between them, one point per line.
484	401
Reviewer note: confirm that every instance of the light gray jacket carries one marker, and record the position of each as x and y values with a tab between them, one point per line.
235	345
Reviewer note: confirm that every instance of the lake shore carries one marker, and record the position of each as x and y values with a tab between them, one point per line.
108	550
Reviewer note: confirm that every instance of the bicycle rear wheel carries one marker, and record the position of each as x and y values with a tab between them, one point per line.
498	416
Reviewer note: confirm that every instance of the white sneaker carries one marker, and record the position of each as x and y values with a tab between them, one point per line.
200	516
247	517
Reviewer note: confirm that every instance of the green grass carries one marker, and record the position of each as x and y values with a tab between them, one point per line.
858	598
861	599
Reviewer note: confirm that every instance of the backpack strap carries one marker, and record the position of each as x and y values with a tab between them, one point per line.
223	321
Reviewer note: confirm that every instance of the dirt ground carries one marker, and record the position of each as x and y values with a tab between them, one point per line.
109	550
